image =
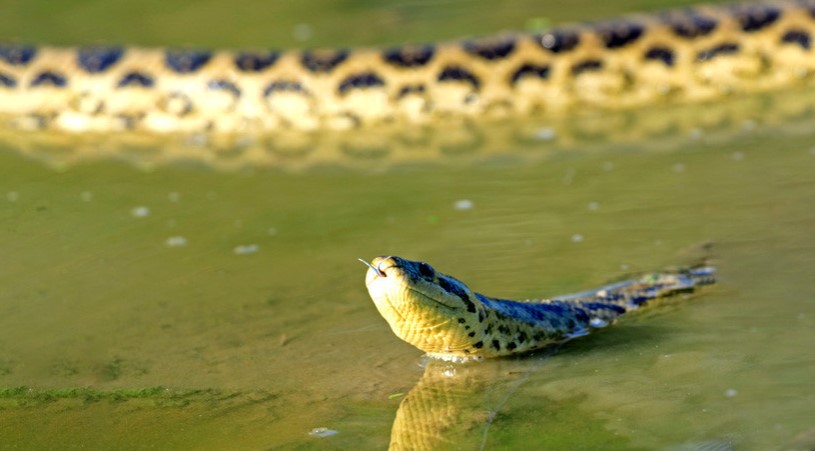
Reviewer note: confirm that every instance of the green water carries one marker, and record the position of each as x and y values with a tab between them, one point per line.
181	306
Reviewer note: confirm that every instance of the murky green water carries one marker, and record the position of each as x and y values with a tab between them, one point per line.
182	306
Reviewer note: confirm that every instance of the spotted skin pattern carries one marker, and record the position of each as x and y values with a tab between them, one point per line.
685	55
443	317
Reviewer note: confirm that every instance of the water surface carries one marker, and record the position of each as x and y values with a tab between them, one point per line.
216	302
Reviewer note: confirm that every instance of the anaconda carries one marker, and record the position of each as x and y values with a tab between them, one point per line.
443	317
685	55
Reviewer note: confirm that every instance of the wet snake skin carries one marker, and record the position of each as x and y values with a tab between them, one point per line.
443	317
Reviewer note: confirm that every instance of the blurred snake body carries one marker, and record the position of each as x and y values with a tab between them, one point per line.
443	317
687	55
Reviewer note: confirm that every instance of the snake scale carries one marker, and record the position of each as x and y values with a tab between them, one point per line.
443	317
685	55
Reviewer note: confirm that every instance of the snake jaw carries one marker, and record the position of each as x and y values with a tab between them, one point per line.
380	286
422	306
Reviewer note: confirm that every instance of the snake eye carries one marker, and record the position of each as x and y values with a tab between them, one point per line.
425	270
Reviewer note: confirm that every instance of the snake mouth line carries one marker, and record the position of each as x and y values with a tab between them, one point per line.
449	308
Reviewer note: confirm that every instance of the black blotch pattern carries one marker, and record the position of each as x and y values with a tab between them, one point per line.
496	344
462	320
599	306
559	41
283	86
689	24
187	61
582	316
129	121
755	17
799	37
471	334
490	50
639	300
8	81
323	61
530	70
481	316
456	73
453	288
663	54
224	85
587	66
363	80
722	49
613	297
488	330
17	55
49	79
409	56
479	345
174	99
522	337
136	79
255	62
503	329
619	34
511	345
98	59
410	89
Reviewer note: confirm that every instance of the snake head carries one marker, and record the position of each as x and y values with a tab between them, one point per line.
428	309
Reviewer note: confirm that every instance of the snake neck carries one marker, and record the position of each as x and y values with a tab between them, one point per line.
443	317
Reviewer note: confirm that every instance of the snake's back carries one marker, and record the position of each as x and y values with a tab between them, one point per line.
676	56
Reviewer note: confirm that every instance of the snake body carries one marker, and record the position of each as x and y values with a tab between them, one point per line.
675	56
443	317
